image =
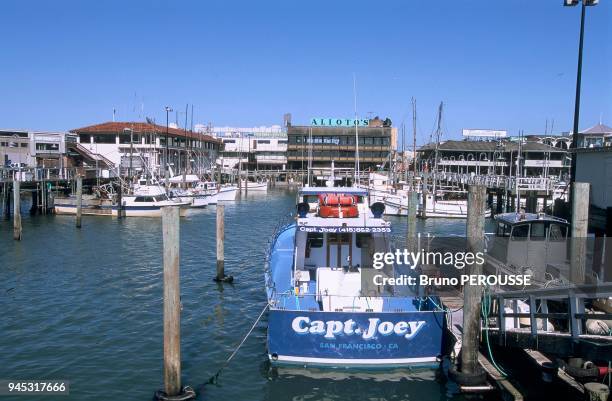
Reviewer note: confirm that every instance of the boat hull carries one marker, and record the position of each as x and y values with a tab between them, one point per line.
260	186
355	339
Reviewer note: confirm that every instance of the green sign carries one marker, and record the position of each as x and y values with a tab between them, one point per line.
339	122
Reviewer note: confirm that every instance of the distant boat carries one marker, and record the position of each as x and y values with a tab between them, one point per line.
255	186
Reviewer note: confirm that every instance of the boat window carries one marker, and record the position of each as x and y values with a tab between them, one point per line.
311	198
538	231
139	199
557	232
160	198
520	232
314	240
362	238
342	238
503	230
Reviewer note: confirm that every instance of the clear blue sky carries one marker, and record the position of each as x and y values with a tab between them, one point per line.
496	64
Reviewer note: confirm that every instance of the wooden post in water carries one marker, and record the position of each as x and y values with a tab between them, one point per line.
16	210
411	234
172	301
120	200
424	204
220	242
79	205
472	293
7	201
580	225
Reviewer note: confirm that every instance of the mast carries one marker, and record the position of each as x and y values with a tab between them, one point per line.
309	155
356	130
414	134
435	166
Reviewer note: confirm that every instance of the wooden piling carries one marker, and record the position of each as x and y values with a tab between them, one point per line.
172	302
17	230
220	242
472	293
79	200
120	201
411	232
424	204
580	225
7	201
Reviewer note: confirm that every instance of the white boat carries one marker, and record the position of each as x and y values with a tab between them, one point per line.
397	205
255	186
185	189
146	205
217	193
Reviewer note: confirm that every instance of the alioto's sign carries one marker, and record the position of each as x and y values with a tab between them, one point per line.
339	122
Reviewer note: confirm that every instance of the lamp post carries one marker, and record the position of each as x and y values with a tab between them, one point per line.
167	172
574	144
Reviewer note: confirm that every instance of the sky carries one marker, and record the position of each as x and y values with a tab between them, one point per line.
495	64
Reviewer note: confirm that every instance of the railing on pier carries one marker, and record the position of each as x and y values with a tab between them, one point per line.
494	181
573	298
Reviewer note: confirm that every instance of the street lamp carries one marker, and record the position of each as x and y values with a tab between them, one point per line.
574	145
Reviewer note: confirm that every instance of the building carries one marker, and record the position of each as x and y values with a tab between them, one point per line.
327	139
496	157
136	146
259	148
15	148
597	136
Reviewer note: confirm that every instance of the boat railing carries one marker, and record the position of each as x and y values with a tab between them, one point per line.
374	302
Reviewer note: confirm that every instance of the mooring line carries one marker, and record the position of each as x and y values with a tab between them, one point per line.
213	378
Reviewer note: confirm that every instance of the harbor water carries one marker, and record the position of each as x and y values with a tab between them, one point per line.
85	305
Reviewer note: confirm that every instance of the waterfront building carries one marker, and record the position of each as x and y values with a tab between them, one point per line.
255	148
327	139
599	135
496	157
15	148
139	146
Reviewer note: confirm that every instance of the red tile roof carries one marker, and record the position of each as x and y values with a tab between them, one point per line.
139	127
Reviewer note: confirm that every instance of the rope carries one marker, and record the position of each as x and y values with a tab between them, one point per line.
486	309
214	378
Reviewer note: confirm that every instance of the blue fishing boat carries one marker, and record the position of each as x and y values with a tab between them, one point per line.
325	308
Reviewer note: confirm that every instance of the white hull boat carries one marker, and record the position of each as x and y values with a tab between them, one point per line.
255	186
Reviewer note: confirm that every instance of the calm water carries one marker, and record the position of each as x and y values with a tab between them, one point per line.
86	305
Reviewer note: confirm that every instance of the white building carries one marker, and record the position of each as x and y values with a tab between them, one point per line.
254	148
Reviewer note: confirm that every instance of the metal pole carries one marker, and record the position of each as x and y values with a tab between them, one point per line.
574	144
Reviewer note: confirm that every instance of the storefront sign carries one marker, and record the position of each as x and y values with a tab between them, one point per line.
339	122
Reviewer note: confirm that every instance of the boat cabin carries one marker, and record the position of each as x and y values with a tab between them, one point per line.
530	243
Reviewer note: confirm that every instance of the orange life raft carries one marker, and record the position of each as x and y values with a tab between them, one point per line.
338	205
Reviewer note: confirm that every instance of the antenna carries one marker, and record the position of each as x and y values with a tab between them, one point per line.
356	130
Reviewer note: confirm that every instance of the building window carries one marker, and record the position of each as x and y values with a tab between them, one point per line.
263	141
104	138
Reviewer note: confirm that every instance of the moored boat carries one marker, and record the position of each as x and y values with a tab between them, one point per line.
325	308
